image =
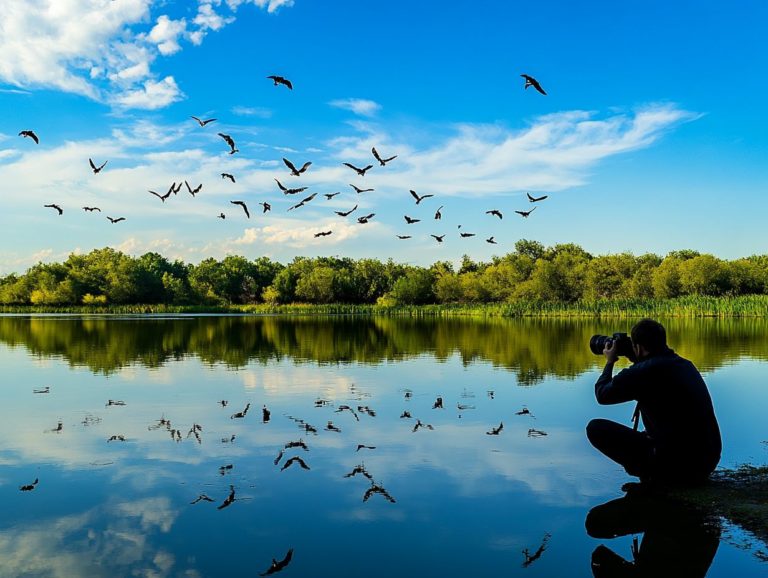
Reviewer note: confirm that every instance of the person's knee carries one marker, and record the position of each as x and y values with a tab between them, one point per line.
594	429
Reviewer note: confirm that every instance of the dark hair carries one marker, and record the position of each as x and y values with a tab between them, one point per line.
650	334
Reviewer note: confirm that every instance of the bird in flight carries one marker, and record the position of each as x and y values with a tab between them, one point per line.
194	191
410	221
465	235
438	238
280	80
288	191
294	171
382	161
265	207
278	565
364	447
491	240
295	460
91	209
438	214
228	176
419	198
29	487
30	134
525	214
323	234
245	208
358	190
364	219
55	206
531	81
535	433
163	197
403	236
495	213
358	170
536	199
115	220
346	213
494	431
329	196
228	139
303	202
96	169
203	122
221	216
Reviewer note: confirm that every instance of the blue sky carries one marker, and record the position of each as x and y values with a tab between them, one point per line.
652	136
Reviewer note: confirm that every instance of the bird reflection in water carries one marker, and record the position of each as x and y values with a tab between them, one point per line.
359	469
29	487
295	460
531	558
377	489
228	500
678	539
278	565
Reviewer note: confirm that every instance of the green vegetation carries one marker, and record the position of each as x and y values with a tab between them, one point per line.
532	280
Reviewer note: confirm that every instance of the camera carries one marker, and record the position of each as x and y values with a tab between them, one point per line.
623	344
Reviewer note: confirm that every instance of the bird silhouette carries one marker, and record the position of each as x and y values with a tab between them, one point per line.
265	414
228	176
465	235
405	415
201	498
29	487
524	411
203	122
221	216
536	199
224	469
280	80
265	207
495	213
358	190
230	141
382	161
438	238
494	431
419	424
303	202
175	188
322	234
491	240
364	447
367	410
358	170
295	460
329	196
245	208
91	209
403	236
438	403
288	191
117	402
55	206
359	469
345	407
525	214
96	169
46	389
228	500
535	433
296	444
30	134
419	198
410	220
438	214
241	414
294	171
279	456
115	220
531	81
330	427
530	558
162	197
194	191
278	565
346	213
377	489
364	219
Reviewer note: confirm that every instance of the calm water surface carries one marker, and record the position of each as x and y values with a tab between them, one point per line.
447	501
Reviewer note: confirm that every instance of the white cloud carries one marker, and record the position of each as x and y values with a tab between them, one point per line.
271	5
102	50
251	111
359	106
298	235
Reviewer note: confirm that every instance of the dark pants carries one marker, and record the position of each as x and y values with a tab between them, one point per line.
629	448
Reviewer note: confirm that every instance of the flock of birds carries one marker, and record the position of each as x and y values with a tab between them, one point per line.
296	171
293	454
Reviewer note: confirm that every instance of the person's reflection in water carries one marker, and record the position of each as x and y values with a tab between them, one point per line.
677	539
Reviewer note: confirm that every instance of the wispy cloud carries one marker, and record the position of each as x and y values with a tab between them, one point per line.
358	106
251	111
105	53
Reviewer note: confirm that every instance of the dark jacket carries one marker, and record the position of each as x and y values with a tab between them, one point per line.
675	407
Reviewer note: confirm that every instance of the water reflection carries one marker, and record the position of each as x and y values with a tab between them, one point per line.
533	349
678	539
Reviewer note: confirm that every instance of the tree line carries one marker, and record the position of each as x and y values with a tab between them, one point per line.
563	273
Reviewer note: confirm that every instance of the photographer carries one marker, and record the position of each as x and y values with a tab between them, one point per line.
681	442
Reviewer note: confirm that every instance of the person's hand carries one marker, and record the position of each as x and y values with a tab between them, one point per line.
611	355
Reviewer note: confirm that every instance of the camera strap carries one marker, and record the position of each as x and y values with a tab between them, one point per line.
636	417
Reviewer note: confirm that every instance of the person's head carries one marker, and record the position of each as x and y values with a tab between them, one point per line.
648	338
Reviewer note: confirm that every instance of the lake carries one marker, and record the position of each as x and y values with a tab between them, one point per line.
154	456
